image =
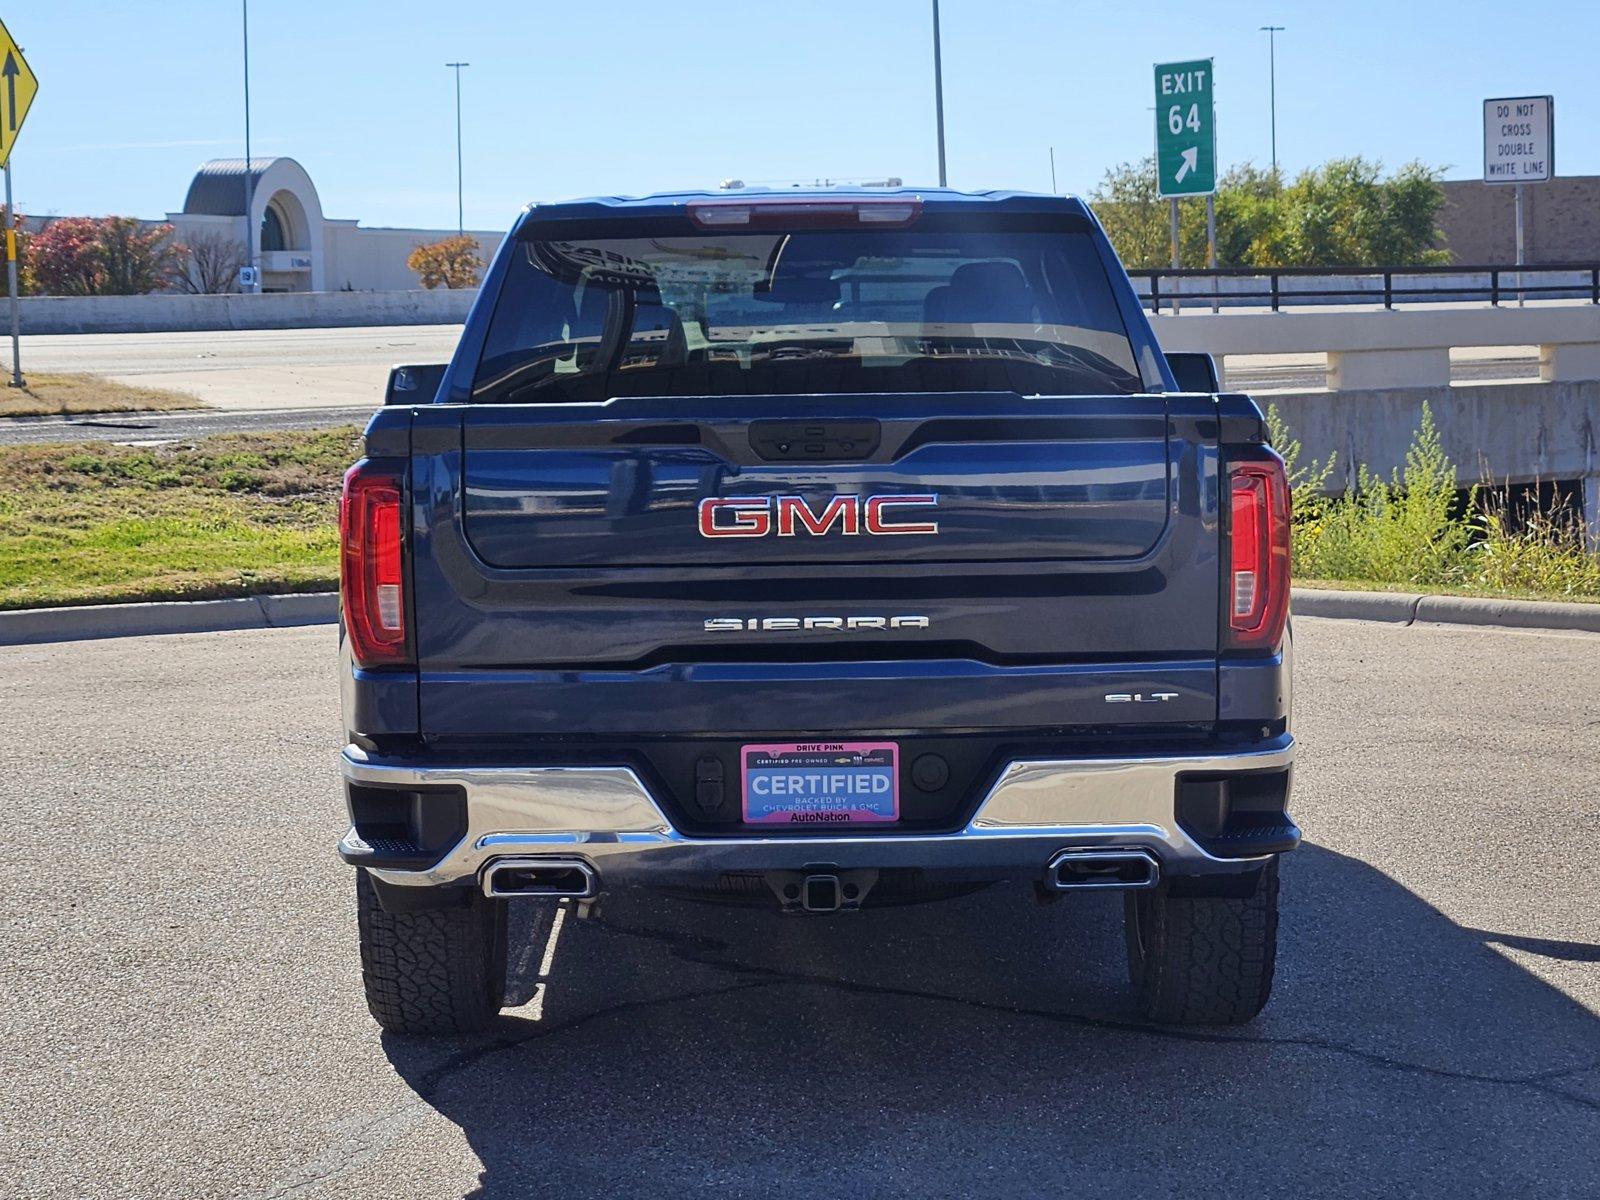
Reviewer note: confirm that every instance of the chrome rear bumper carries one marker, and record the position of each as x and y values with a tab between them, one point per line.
605	817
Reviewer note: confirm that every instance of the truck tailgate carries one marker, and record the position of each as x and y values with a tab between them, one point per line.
562	548
618	485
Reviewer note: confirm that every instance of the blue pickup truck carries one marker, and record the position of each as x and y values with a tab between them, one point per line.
816	550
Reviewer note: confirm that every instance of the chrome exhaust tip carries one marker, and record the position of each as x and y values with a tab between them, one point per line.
1073	870
542	878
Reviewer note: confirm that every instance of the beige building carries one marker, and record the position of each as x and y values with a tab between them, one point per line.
298	248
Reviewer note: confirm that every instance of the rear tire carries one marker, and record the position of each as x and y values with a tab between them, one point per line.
433	971
1203	960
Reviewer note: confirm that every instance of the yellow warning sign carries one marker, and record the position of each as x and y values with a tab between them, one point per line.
18	87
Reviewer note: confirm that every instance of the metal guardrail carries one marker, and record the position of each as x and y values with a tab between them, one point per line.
1499	283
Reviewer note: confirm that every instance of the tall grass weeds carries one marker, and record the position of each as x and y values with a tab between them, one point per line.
1413	530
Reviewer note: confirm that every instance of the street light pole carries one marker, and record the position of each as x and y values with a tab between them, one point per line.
938	92
461	218
1272	32
249	163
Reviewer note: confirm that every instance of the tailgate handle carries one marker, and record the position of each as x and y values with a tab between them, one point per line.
814	441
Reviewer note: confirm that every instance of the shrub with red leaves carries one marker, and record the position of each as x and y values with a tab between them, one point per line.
104	256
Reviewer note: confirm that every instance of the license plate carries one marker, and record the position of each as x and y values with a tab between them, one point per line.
821	783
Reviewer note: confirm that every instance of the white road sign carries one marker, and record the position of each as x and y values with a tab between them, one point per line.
1519	139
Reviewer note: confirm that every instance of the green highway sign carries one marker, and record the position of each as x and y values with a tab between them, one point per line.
1186	129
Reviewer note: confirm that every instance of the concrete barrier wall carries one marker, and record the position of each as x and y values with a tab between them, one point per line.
1508	432
285	310
1499	433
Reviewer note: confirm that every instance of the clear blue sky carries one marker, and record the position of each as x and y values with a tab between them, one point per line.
597	96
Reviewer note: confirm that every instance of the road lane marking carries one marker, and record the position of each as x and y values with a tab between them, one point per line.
536	1003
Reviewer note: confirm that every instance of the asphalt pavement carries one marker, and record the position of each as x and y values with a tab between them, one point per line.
250	368
180	1012
157	428
248	380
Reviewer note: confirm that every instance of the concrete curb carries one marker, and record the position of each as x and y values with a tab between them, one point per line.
1516	614
32	626
1410	608
1355	606
35	625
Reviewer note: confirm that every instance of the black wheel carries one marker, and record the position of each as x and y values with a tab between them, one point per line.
1203	960
434	971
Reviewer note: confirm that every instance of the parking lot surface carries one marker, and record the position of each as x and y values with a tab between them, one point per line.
181	1011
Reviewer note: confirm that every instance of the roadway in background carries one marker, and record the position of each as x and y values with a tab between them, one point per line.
249	368
307	378
181	1014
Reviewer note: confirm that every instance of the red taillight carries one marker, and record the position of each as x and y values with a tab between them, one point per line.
1258	575
372	566
824	212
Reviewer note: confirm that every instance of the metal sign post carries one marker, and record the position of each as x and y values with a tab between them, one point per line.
11	284
1177	258
1519	147
1522	255
1211	245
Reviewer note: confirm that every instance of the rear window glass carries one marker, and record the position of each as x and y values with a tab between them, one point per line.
804	312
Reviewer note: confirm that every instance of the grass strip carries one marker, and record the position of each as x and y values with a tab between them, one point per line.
248	513
63	395
231	515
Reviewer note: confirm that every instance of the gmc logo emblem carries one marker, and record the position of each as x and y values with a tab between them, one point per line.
788	516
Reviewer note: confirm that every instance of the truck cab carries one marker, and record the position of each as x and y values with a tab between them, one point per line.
815	550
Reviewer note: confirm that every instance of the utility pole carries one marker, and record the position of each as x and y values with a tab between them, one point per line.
250	231
461	218
938	93
1272	32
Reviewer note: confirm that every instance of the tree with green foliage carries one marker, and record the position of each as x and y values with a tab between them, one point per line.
1343	213
1247	212
1134	216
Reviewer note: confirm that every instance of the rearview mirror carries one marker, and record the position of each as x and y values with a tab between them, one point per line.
414	384
1194	371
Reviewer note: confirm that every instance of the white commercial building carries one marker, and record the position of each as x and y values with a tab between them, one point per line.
297	248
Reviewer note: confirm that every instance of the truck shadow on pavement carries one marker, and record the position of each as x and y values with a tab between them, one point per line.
990	1046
